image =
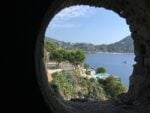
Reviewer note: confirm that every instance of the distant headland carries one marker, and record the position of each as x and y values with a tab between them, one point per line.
123	46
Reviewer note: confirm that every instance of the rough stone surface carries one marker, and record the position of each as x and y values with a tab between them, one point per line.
136	100
96	106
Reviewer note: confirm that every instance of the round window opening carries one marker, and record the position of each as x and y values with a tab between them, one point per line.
92	52
88	56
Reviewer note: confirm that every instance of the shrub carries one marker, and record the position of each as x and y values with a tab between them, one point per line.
100	70
113	87
64	83
70	85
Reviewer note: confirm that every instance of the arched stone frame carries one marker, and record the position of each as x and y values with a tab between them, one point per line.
136	21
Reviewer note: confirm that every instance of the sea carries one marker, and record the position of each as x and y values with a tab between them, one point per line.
117	64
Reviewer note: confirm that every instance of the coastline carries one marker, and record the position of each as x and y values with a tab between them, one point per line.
120	64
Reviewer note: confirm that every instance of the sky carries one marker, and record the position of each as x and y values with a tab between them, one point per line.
88	25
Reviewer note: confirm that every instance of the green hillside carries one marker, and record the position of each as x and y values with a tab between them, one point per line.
123	46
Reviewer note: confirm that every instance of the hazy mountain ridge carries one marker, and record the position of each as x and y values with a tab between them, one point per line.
123	46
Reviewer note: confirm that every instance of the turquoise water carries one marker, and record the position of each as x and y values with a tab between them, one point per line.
101	75
120	65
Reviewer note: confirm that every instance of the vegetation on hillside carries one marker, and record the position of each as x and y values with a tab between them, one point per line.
72	86
123	46
75	57
112	86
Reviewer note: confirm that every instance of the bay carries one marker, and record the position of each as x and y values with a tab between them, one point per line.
118	64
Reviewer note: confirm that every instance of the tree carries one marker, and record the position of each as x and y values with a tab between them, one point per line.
50	46
76	57
100	70
58	56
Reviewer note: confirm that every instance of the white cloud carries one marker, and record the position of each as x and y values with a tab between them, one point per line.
68	25
73	12
61	20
